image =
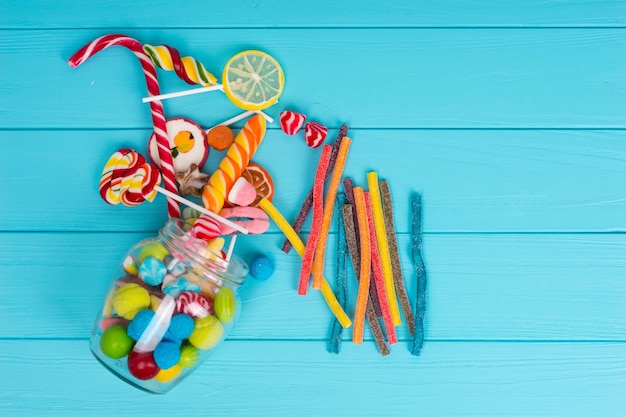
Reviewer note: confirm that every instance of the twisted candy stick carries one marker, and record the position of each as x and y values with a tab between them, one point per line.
156	108
187	68
128	179
233	164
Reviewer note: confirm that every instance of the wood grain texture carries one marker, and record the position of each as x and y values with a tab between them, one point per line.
481	287
58	378
41	14
472	181
457	78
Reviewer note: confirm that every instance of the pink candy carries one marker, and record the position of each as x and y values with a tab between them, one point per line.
291	121
206	228
193	304
252	218
314	134
242	193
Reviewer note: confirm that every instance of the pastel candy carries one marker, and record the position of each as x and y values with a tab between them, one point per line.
152	271
225	305
314	134
193	304
179	285
261	268
154	249
129	265
166	354
189	355
129	300
291	122
140	323
242	193
253	219
206	228
207	333
181	326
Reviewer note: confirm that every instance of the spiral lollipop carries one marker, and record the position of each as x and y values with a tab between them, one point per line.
158	117
129	179
187	68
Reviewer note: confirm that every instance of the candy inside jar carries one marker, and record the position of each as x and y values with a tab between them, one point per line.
173	302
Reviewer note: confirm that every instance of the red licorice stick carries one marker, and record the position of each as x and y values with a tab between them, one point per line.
316	227
364	270
329	206
378	274
156	108
348	187
308	200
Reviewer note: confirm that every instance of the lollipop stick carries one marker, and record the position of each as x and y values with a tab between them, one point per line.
201	209
231	246
183	93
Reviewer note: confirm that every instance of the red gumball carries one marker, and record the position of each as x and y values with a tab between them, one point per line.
142	366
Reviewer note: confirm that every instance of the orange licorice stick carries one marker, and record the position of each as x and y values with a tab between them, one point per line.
383	246
316	224
293	237
329	207
366	266
233	164
378	275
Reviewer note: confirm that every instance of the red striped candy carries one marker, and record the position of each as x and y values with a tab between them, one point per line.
194	304
206	228
314	134
291	121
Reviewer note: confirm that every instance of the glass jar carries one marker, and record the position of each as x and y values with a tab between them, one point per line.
172	303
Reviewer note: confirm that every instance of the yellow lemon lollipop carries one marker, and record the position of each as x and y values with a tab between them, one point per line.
253	80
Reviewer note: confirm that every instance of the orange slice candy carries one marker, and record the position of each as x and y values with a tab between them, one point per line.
256	175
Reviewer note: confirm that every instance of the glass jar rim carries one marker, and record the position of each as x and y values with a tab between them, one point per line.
213	266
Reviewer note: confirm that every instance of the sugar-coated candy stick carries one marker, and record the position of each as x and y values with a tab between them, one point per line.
383	246
334	341
234	163
291	234
348	187
308	200
355	257
187	68
377	271
420	272
394	254
364	269
329	206
156	108
316	226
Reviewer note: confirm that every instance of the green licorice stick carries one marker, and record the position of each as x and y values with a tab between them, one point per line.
353	249
394	255
334	341
308	200
420	272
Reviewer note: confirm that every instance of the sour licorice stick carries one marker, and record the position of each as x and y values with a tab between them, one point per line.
316	226
308	200
378	275
348	188
383	246
355	257
365	267
291	234
394	254
329	205
420	272
334	341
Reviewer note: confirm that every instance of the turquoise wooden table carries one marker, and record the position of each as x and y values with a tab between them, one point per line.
507	116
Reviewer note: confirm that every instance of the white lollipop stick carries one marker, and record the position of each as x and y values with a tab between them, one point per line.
201	209
231	247
242	116
157	327
183	93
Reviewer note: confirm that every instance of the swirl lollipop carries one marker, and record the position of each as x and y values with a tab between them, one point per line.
129	179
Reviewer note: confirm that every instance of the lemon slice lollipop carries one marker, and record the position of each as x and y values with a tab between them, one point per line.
253	80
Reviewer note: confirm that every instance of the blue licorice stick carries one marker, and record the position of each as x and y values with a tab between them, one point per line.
420	272
334	341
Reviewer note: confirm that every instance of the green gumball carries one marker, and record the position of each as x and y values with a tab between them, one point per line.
152	249
225	305
188	356
115	342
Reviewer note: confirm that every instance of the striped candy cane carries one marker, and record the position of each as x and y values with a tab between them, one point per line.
158	117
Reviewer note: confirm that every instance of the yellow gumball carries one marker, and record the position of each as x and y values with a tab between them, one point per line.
166	375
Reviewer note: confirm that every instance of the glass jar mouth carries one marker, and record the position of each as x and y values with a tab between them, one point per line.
211	265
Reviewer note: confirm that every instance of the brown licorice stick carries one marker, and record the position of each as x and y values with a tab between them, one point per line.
355	258
308	200
394	254
348	187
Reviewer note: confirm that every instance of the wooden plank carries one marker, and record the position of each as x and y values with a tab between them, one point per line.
481	287
485	181
460	78
273	13
57	378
